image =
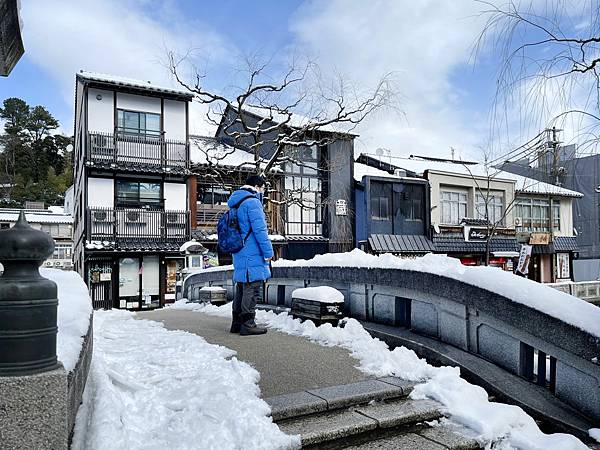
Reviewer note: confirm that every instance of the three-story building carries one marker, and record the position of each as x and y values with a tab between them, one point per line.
131	208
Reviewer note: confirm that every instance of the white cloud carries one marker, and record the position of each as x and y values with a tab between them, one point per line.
122	37
423	43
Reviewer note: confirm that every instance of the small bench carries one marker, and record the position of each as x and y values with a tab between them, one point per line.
321	304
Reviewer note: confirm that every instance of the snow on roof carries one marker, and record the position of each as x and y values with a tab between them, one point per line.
210	152
296	120
362	170
523	185
41	216
130	82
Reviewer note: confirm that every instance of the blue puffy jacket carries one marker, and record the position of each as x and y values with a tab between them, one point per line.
249	263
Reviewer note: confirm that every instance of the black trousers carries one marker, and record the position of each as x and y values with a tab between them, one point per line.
246	297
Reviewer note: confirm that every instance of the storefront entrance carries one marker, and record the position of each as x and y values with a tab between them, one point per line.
173	268
139	282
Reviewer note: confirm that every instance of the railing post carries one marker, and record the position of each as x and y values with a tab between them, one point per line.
28	303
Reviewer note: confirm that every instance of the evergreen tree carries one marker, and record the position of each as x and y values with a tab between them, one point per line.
34	163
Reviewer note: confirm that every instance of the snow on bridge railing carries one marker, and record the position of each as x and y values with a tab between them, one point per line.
540	297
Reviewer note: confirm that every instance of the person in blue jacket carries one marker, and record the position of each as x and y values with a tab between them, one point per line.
251	265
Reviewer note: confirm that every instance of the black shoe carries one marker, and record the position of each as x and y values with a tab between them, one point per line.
236	323
249	327
252	330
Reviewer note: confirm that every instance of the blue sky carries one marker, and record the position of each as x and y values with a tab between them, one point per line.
444	98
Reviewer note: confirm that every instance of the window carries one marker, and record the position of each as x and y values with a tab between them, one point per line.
380	208
134	123
4	226
534	214
62	251
494	205
453	207
303	191
411	203
136	194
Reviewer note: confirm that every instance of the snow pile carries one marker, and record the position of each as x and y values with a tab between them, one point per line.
150	388
505	425
74	309
595	433
322	294
543	298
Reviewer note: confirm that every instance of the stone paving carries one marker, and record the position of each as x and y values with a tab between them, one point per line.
287	364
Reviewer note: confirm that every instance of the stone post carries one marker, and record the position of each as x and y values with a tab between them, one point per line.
28	303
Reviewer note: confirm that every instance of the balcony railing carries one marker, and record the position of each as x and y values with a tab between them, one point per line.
146	150
114	224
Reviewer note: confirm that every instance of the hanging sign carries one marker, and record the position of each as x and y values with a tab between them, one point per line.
524	257
539	239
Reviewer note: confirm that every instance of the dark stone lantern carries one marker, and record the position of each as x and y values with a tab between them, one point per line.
28	302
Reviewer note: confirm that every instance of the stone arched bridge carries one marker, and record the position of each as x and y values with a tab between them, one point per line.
521	354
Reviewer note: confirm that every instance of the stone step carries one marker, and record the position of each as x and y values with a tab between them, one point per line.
427	438
335	397
338	428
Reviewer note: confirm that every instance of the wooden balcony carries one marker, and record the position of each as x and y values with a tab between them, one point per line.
123	149
114	225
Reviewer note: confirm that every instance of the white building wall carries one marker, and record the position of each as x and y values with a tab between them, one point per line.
465	183
175	196
101	113
174	120
138	103
101	192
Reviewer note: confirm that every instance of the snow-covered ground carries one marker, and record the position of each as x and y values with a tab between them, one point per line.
74	309
506	426
150	388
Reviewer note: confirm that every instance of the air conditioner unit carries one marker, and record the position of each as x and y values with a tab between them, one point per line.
100	216
517	222
58	263
172	217
400	173
133	216
102	142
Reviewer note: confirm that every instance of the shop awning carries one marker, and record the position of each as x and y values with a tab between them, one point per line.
400	243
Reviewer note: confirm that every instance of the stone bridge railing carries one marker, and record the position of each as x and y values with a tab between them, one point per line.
525	341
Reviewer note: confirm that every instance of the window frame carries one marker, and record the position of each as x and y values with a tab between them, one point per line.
538	219
492	207
138	203
124	132
447	203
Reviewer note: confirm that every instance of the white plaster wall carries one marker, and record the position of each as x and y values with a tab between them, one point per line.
101	113
175	196
466	183
101	192
138	103
174	120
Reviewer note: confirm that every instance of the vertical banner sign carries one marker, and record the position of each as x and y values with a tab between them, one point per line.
524	257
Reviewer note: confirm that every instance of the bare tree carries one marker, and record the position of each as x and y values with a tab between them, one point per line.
549	56
486	206
287	113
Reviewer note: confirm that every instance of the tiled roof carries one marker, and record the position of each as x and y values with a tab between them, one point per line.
132	83
394	243
138	167
560	244
444	244
565	243
140	245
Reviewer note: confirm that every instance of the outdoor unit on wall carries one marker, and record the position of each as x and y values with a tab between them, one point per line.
172	217
100	216
133	217
101	144
517	222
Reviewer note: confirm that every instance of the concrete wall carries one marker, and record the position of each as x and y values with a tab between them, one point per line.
476	320
174	122
39	411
